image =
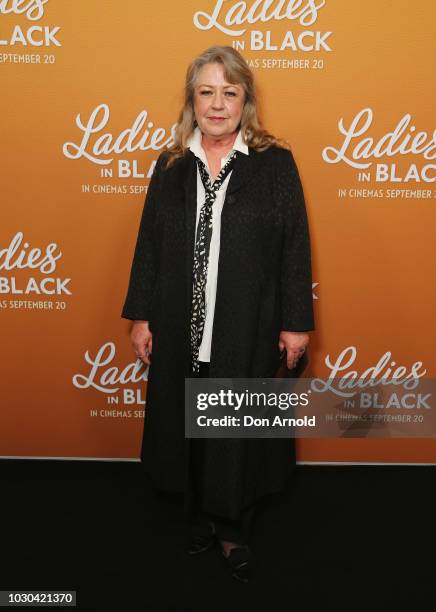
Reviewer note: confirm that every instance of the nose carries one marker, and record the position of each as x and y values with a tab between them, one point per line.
218	100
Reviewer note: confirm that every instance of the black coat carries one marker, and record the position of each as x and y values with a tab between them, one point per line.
264	286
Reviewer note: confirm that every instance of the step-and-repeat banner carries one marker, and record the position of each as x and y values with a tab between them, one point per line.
90	92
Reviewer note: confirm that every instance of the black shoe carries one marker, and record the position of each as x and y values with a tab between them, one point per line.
201	538
239	563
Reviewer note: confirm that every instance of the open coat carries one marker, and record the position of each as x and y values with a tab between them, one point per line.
264	286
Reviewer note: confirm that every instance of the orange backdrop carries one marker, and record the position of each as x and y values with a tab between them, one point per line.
90	92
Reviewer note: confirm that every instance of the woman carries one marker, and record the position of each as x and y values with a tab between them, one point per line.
220	285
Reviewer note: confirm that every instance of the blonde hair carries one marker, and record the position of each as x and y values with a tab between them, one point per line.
236	71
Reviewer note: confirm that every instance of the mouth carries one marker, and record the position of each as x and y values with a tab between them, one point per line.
217	119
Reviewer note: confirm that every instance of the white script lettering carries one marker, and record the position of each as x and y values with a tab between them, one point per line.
260	10
13	257
369	377
107	143
104	379
34	9
389	145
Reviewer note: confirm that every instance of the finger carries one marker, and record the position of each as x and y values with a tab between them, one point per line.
145	359
292	360
143	355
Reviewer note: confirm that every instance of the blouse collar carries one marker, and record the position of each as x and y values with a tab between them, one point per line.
194	144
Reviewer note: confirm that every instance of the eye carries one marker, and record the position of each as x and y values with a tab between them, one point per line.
205	92
231	93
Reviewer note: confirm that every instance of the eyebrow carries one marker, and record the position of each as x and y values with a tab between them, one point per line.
211	86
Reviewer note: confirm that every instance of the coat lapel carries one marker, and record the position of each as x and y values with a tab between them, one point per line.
243	171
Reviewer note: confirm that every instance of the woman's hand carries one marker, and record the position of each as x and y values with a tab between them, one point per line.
142	339
295	344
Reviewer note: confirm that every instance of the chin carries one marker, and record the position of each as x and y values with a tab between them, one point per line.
218	130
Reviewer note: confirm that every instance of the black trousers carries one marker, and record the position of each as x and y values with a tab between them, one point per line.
237	531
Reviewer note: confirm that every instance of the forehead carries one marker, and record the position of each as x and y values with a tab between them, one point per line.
213	74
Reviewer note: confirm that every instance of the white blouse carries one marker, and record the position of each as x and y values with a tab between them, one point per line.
194	143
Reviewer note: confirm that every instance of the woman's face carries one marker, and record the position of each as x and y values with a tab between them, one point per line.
217	104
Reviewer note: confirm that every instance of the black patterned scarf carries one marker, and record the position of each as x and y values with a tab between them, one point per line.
201	255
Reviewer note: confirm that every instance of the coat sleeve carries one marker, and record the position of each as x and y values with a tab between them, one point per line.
137	305
296	269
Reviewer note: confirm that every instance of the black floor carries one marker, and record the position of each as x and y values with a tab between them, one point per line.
344	538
